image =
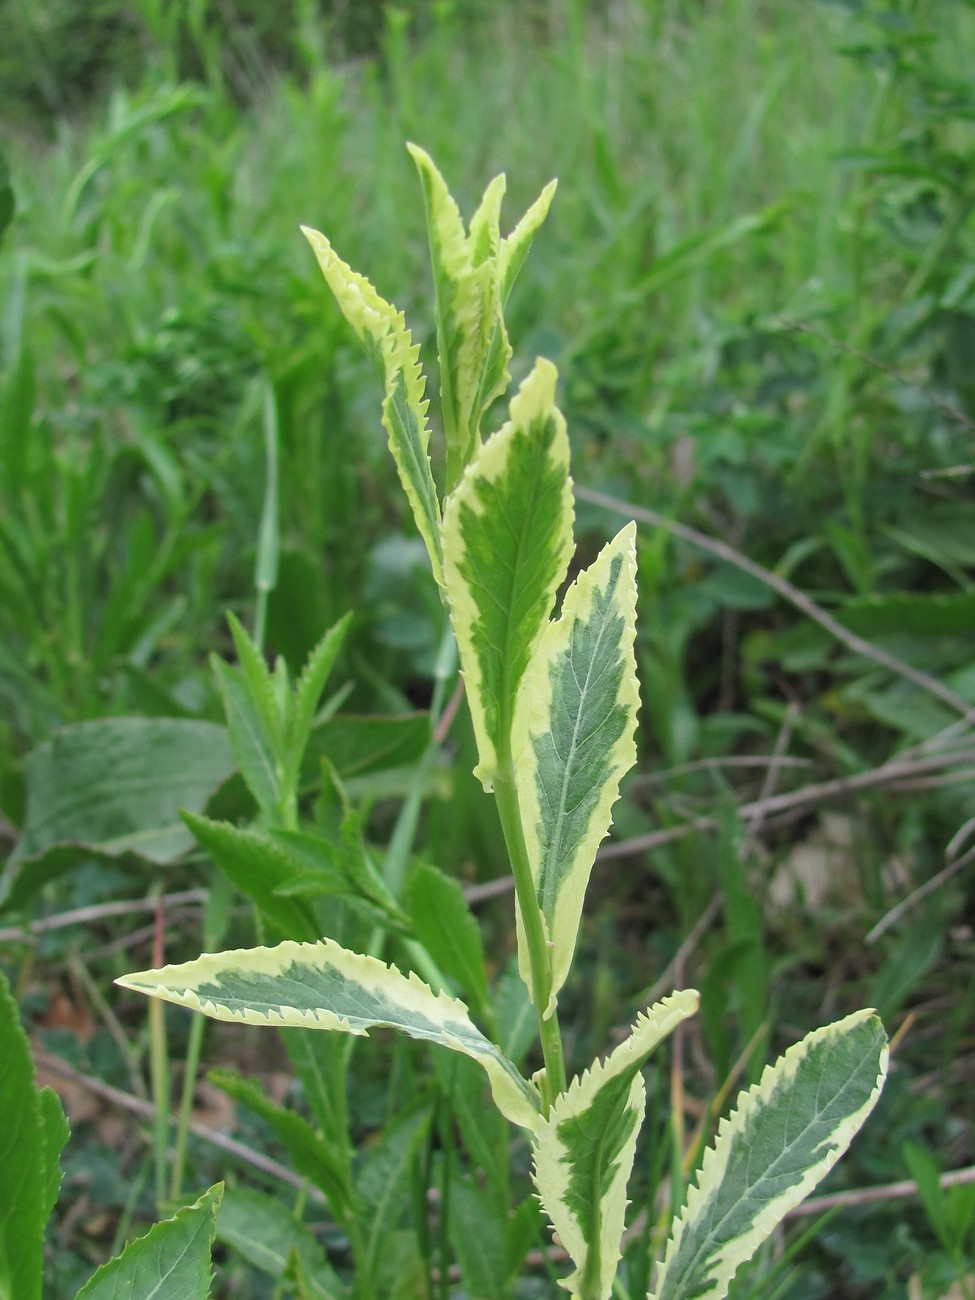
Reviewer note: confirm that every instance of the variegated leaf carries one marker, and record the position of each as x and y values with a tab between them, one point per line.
324	986
472	274
573	740
584	1150
786	1134
507	540
382	329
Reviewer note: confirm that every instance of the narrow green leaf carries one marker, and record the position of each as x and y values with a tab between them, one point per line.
260	684
7	202
56	1131
507	545
572	740
383	331
584	1150
257	866
384	1185
268	557
445	926
478	1234
171	1262
311	1155
514	249
324	986
321	1063
252	741
309	687
25	1178
786	1134
483	1129
266	1234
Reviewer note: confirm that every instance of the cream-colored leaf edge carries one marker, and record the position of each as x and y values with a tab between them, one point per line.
532	717
551	1155
515	1097
776	1076
535	400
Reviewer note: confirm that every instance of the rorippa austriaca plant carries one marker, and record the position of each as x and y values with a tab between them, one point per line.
554	703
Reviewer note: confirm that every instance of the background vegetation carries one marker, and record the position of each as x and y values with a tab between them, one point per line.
758	284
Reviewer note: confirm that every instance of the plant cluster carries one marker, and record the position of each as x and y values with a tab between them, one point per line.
756	289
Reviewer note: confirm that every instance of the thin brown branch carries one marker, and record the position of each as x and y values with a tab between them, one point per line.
98	912
787	591
888	774
144	1110
871	1195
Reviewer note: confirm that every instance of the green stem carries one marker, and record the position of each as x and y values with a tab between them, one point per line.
539	959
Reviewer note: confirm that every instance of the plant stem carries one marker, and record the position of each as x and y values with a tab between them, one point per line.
159	1065
539	962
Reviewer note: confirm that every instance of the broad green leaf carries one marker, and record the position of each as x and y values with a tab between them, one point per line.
112	789
25	1161
324	986
507	545
258	866
266	1234
171	1262
445	926
584	1150
311	1155
384	1189
786	1134
572	740
382	329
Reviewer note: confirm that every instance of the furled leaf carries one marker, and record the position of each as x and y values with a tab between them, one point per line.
171	1262
266	1234
472	275
786	1134
383	331
507	545
584	1150
468	302
324	986
572	740
112	789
